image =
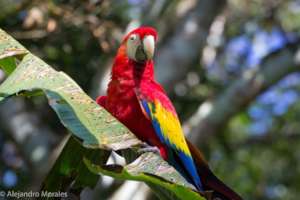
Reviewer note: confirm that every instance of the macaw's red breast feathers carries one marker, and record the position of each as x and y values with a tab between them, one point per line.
101	100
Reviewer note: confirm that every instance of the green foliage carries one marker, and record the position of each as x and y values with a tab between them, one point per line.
94	126
69	168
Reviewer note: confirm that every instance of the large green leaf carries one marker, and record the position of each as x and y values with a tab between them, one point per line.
93	125
146	168
88	121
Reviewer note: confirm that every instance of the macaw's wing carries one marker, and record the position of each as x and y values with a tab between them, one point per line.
167	127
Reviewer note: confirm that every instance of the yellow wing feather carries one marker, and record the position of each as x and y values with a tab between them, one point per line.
170	126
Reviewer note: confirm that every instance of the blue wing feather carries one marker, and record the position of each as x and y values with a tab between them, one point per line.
155	123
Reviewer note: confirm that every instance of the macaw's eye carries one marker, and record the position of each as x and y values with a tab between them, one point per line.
133	37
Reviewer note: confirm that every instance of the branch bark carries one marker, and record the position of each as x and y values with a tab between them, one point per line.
211	116
185	46
269	138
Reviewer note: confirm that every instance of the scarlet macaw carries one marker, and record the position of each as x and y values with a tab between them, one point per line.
141	104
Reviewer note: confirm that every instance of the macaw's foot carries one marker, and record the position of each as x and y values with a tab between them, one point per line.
154	149
147	148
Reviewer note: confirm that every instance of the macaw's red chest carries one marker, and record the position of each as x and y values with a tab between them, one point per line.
122	103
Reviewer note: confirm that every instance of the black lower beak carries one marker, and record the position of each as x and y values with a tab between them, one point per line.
140	54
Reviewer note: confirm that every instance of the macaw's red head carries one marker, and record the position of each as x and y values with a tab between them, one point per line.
140	44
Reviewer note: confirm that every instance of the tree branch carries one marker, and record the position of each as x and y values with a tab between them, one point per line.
211	116
184	47
269	138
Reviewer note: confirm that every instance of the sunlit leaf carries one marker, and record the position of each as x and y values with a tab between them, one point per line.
77	111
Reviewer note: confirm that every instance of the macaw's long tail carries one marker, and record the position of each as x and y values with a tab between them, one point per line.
209	180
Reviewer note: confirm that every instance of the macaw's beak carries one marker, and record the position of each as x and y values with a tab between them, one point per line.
145	51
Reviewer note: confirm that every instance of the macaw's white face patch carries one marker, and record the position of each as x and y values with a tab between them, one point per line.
132	45
140	50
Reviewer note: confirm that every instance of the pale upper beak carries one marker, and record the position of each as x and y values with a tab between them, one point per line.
145	50
149	45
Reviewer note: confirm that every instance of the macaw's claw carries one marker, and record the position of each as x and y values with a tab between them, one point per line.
147	148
